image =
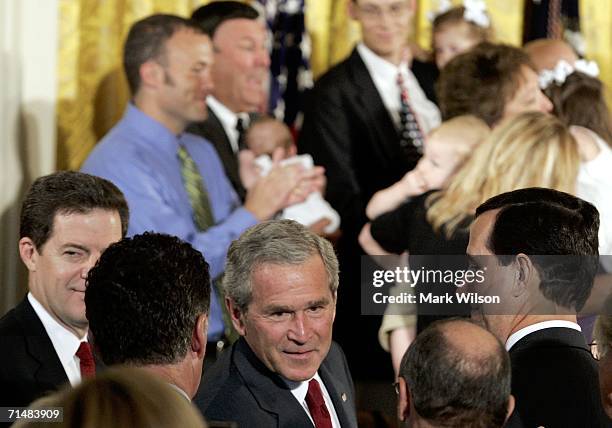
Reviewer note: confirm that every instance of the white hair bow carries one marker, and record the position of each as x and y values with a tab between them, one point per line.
475	11
564	69
443	6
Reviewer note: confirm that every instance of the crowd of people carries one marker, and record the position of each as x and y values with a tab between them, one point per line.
204	266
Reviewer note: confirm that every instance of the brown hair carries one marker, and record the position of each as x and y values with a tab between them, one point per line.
481	81
580	101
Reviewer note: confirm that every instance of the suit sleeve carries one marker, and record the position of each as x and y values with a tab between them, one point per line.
327	135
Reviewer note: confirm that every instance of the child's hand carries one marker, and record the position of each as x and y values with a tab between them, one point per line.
414	183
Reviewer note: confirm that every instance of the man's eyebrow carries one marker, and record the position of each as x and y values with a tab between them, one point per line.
72	245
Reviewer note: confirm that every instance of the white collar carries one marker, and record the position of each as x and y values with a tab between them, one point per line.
228	120
64	341
225	115
180	391
300	389
380	67
518	335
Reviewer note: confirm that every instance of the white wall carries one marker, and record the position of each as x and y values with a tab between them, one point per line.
29	40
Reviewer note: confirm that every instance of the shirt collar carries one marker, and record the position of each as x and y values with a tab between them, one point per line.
381	68
152	132
518	335
180	391
300	389
64	341
227	117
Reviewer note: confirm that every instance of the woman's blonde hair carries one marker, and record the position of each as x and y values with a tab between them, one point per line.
120	397
530	150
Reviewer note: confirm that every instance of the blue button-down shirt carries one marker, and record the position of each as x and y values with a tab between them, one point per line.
139	155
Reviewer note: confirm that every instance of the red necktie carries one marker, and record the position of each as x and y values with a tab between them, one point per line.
88	365
316	406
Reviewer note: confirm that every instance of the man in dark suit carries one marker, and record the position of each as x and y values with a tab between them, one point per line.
67	220
280	285
353	126
148	300
240	73
543	255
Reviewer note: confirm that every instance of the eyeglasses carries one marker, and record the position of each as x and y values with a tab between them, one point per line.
396	387
595	351
397	11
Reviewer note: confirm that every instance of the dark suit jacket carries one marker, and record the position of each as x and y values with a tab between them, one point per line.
212	130
555	381
348	130
239	388
29	366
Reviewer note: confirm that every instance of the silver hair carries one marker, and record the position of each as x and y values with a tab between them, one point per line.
284	242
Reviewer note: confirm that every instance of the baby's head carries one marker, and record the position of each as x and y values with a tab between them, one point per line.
454	32
266	134
448	147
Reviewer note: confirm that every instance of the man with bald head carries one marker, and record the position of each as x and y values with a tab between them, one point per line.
455	374
546	53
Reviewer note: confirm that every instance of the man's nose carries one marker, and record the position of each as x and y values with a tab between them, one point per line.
299	328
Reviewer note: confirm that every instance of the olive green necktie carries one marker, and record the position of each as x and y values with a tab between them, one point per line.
196	190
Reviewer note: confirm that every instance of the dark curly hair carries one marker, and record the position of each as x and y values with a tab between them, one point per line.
143	299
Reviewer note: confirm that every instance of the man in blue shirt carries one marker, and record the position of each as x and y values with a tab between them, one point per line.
167	61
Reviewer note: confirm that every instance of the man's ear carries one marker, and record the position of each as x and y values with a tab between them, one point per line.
28	253
524	274
351	9
199	336
151	74
403	401
237	316
511	403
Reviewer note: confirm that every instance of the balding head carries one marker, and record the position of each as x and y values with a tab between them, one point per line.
457	373
546	53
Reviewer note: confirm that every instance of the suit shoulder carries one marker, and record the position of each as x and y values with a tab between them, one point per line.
10	325
336	74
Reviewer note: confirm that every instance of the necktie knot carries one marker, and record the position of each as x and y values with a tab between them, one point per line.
86	360
316	405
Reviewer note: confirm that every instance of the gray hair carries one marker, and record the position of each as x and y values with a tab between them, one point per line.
278	242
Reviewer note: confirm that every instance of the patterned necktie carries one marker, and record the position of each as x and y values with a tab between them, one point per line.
316	406
410	131
196	190
86	360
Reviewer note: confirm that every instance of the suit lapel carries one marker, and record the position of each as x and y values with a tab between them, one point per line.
268	389
340	396
373	110
47	368
217	136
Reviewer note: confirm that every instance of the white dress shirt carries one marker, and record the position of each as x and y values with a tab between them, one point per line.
228	119
64	341
384	75
299	391
518	335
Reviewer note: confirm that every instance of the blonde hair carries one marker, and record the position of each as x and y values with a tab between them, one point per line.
462	134
120	397
530	150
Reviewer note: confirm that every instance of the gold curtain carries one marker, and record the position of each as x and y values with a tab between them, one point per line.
596	25
92	90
